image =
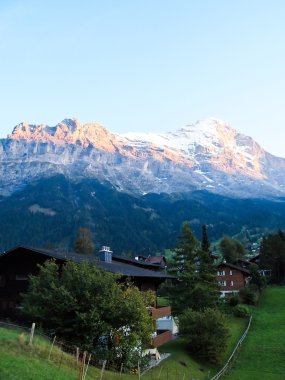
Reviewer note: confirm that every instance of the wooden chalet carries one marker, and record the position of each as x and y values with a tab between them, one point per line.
17	264
232	278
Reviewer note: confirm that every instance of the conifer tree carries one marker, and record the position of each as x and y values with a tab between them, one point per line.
184	267
196	285
206	289
205	241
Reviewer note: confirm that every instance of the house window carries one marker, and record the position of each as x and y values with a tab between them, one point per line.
223	283
232	283
231	272
21	277
221	273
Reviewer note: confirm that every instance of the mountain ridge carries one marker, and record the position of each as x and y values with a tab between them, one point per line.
208	155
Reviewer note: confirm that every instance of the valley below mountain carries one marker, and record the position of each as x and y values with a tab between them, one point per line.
49	212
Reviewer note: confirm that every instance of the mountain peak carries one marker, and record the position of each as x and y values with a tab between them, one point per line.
209	122
72	123
208	154
68	131
210	126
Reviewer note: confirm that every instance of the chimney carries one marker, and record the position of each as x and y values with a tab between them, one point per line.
105	254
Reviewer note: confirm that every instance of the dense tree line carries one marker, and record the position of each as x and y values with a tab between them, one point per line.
143	224
272	256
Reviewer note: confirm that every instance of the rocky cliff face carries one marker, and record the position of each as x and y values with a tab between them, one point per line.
207	155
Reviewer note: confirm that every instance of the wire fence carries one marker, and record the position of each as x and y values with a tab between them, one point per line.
226	367
81	363
64	355
59	353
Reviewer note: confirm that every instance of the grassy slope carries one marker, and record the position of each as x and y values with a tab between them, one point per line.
263	352
18	361
180	363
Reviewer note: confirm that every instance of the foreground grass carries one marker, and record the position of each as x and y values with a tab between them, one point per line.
181	365
263	352
19	361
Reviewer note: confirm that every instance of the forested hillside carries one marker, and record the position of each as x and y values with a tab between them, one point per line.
48	213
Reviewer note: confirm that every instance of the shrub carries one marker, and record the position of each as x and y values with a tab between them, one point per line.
233	301
205	332
249	295
241	311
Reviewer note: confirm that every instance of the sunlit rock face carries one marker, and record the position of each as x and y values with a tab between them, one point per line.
208	155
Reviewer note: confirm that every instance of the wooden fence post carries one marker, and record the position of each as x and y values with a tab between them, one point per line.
81	369
32	334
53	342
77	355
85	372
103	368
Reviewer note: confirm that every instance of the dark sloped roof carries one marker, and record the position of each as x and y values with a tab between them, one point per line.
155	259
235	267
137	262
126	269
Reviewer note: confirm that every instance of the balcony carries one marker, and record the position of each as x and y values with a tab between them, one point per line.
160	312
163	336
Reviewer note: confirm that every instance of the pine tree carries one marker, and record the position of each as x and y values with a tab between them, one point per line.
197	285
186	251
205	241
184	267
206	291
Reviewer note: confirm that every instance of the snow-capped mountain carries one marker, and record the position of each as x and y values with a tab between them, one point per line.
209	155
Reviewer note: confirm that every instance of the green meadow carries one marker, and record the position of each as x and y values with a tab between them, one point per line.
19	361
262	355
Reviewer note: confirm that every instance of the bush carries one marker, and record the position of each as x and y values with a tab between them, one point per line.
249	295
233	301
241	311
205	332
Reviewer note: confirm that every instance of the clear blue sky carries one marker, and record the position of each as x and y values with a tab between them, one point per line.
145	65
